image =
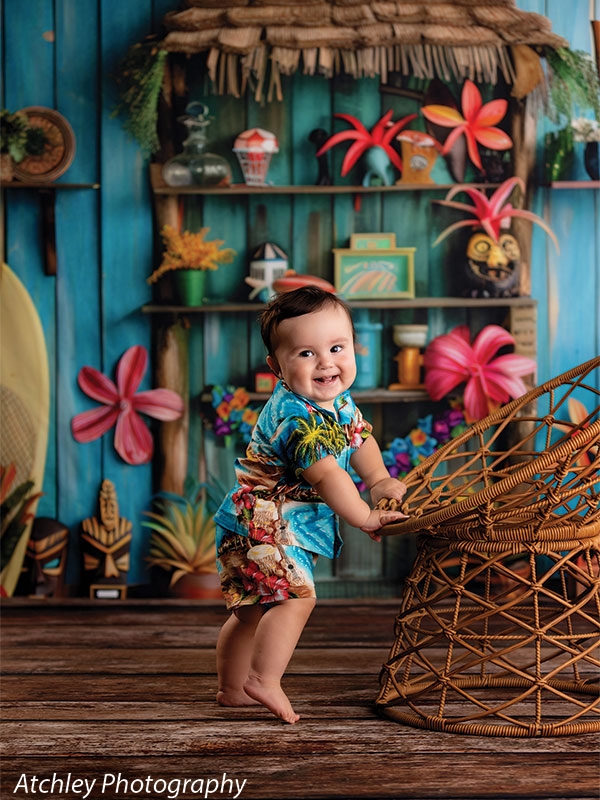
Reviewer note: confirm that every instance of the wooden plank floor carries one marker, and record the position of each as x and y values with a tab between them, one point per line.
97	689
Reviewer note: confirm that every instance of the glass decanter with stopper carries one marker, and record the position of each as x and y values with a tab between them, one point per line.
193	166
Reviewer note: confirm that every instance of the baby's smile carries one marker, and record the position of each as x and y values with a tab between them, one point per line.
315	355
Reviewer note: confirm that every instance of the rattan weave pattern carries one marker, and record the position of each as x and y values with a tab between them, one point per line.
500	614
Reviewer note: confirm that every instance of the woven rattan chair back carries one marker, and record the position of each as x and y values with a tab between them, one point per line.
499	627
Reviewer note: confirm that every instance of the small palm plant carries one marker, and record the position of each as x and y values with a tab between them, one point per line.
183	533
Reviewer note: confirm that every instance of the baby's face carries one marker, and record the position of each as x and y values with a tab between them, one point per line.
315	355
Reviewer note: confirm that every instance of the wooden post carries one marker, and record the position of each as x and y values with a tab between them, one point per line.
172	373
524	126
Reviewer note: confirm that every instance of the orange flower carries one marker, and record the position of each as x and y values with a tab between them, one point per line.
240	399
249	416
418	437
223	410
476	122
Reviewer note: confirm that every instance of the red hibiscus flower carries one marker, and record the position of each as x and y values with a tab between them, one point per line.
260	534
244	498
121	404
273	588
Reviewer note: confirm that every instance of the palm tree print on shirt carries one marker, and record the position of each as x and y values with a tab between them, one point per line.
313	438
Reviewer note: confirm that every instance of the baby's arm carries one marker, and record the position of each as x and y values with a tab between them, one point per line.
337	489
367	461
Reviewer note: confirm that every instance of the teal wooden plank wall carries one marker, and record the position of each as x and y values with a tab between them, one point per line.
62	53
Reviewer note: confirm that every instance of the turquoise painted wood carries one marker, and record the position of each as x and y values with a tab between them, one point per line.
78	335
90	312
28	82
126	247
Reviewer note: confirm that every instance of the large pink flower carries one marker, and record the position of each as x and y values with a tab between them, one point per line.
476	122
133	441
451	359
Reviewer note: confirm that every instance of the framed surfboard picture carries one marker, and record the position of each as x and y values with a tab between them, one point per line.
378	274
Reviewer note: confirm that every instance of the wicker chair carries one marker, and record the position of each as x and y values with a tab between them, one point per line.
499	627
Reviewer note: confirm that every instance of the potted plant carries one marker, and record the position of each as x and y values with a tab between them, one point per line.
15	505
190	256
18	139
183	542
588	131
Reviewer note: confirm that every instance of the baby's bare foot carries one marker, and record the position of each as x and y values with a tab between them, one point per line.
271	695
235	698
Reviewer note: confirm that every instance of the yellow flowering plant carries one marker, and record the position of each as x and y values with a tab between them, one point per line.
190	251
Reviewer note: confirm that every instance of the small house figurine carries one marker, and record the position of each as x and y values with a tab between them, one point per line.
268	262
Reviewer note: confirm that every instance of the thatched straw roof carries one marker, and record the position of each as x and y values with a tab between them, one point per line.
424	38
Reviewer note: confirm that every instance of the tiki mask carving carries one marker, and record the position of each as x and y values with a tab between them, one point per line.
43	573
492	268
105	547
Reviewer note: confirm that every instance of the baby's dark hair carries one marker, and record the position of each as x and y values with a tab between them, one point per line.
295	304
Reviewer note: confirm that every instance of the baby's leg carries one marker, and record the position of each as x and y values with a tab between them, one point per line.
275	638
234	651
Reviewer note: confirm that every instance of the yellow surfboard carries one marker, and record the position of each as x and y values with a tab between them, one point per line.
24	399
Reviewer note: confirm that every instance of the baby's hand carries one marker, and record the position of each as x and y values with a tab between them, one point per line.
390	488
378	519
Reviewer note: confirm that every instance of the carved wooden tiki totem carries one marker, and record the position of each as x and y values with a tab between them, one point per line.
43	573
105	547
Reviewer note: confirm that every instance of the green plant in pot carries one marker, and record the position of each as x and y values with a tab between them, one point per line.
18	139
183	541
189	256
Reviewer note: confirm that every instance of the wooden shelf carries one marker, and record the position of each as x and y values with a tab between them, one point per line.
362	395
575	184
416	302
242	189
47	199
160	187
41	185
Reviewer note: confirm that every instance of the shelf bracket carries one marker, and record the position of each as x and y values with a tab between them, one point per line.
48	201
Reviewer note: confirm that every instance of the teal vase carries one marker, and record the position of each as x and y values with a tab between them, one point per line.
189	286
368	355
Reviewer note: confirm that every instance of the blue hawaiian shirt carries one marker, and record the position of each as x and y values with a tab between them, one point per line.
271	501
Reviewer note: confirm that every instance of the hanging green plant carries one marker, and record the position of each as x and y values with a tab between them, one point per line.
140	79
573	82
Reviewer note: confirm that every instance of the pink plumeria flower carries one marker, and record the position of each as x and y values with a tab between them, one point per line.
451	359
121	404
476	122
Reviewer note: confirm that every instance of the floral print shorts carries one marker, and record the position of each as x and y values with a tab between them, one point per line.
253	571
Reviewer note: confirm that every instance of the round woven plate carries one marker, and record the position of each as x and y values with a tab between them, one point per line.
59	152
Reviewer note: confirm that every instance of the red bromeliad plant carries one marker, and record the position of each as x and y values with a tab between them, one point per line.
121	404
381	135
490	214
476	122
451	359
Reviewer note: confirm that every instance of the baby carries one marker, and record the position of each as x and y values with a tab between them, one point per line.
291	485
